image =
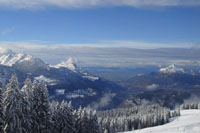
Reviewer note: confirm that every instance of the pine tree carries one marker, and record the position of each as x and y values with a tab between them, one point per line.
79	125
85	121
94	126
41	108
15	108
68	112
62	116
55	114
27	92
67	121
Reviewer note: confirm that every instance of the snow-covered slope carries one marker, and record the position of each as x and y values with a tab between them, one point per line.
188	122
13	58
171	69
67	64
49	81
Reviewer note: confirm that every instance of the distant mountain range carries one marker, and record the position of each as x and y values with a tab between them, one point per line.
65	81
168	86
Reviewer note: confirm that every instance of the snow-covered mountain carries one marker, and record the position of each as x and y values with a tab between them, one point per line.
171	69
65	81
13	58
167	87
69	64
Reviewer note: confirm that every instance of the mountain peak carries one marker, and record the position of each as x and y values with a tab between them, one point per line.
171	69
12	58
67	64
73	67
69	61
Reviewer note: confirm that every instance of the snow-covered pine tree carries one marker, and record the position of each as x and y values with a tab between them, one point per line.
69	116
15	108
27	92
79	125
62	117
55	116
1	109
67	120
43	123
85	122
94	126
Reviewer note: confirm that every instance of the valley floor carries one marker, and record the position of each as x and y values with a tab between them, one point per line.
188	122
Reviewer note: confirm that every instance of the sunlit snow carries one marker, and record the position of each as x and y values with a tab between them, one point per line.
42	78
67	64
188	122
171	69
11	59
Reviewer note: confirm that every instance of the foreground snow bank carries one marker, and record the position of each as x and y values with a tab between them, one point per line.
188	122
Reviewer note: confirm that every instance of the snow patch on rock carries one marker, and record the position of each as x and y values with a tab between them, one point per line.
49	81
152	87
92	78
74	95
60	91
26	58
81	93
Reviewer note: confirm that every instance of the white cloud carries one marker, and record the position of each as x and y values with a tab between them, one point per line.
5	50
145	45
32	4
36	45
103	102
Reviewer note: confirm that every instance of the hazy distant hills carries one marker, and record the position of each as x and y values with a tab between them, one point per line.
165	78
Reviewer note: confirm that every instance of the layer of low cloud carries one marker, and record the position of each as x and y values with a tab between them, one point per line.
31	45
35	4
108	54
103	102
5	51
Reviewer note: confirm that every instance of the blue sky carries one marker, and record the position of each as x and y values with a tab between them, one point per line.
175	24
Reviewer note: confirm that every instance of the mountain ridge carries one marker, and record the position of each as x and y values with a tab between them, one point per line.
63	83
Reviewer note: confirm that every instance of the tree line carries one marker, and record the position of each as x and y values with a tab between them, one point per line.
129	119
190	106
